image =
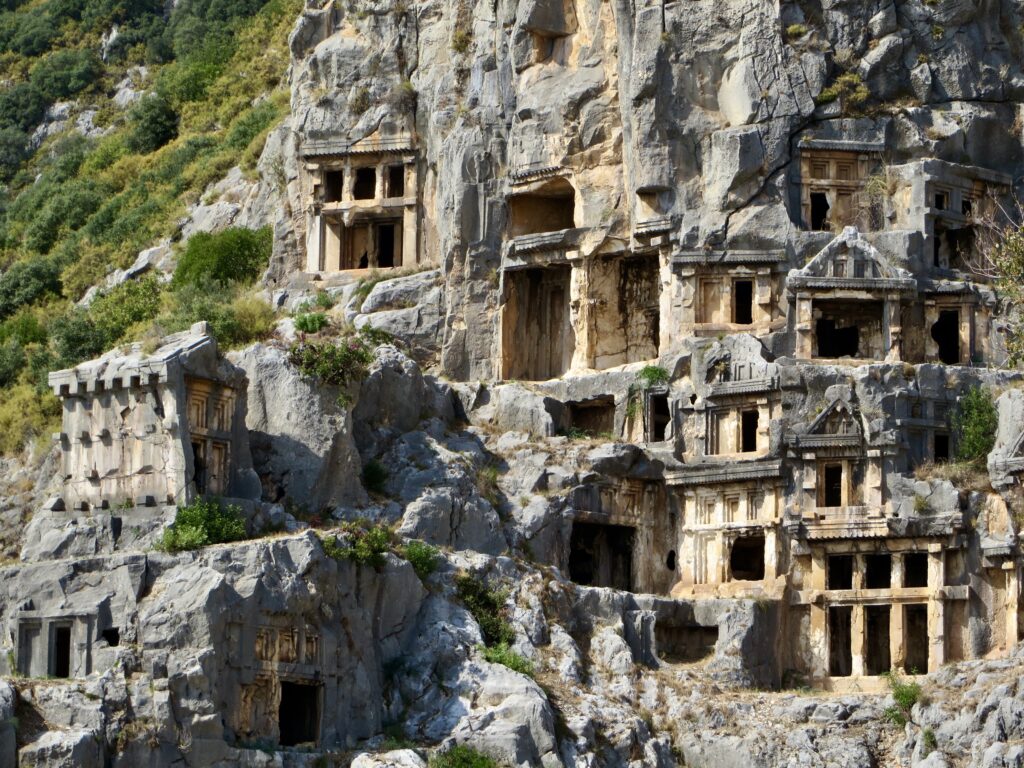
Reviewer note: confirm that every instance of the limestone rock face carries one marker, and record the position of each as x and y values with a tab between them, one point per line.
300	436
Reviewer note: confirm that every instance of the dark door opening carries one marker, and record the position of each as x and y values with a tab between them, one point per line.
877	571
840	652
601	555
833	496
333	183
61	663
299	714
941	448
684	644
915	634
112	636
915	569
840	572
876	644
819	211
592	417
396	181
746	561
836	342
199	465
748	431
660	417
946	333
743	302
385	245
365	185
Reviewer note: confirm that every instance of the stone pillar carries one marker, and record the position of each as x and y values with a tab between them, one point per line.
378	182
804	327
1012	602
817	640
936	607
897	645
857	640
347	182
771	554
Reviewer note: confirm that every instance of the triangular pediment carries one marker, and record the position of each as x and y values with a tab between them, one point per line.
838	418
849	257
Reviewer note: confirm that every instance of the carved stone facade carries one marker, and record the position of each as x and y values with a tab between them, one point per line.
153	429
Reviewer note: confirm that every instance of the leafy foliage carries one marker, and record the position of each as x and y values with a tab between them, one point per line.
502	654
311	322
201	523
652	376
236	254
488	608
975	422
461	756
905	695
335	364
423	558
362	543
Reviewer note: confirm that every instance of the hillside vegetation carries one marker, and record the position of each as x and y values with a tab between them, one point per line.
82	199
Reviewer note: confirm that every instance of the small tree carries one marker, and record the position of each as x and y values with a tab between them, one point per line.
975	422
154	123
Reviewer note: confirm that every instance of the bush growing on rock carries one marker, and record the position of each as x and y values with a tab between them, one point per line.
361	543
423	558
338	364
461	756
201	523
905	695
234	255
975	422
310	322
488	608
154	123
504	655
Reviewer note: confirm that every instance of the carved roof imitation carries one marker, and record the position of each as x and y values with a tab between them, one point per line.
130	366
836	426
851	262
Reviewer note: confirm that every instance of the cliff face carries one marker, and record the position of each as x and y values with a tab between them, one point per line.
689	379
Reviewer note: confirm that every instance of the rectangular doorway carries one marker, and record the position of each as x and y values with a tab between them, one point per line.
743	302
877	659
840	652
915	639
299	714
60	650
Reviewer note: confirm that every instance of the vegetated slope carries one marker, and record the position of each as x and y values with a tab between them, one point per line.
114	118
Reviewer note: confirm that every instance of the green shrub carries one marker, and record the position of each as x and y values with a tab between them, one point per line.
154	123
423	558
359	101
310	322
488	608
363	544
65	73
461	756
22	106
234	255
905	695
201	523
76	337
13	151
975	422
502	654
117	310
333	364
12	360
26	282
652	376
25	414
375	476
928	741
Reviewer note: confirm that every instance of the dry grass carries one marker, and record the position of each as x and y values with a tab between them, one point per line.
964	475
